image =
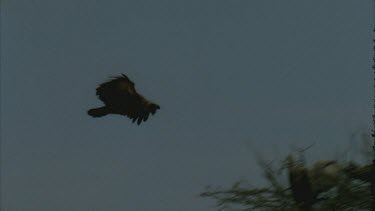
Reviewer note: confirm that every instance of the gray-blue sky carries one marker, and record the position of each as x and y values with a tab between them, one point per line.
230	76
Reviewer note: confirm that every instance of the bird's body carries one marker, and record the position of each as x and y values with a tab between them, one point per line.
120	97
300	184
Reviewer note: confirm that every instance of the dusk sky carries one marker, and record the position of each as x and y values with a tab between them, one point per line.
235	79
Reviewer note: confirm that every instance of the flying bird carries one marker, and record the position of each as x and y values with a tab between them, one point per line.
120	97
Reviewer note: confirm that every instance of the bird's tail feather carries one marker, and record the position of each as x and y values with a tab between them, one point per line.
98	112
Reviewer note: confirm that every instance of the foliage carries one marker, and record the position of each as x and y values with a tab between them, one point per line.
345	194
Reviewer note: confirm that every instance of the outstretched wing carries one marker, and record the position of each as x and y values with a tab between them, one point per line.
119	91
141	110
120	96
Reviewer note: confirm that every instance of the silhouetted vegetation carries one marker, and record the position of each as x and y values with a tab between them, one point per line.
326	185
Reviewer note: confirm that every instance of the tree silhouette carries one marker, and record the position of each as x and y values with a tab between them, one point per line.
326	185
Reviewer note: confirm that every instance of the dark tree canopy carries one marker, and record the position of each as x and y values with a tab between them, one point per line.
120	97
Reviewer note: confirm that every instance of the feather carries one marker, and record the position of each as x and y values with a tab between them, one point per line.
120	97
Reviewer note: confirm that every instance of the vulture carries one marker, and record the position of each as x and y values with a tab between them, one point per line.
300	184
120	97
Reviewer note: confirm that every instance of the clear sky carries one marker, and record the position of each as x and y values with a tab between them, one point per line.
232	78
